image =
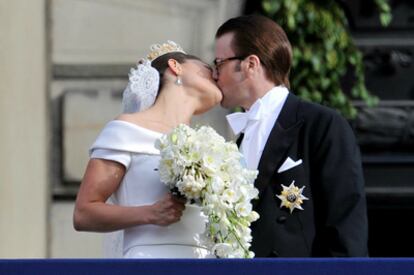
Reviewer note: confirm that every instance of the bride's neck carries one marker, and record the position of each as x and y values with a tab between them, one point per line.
172	111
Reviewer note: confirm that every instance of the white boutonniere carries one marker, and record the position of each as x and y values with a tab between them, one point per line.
292	197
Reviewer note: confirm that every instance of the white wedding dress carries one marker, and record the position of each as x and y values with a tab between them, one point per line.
133	147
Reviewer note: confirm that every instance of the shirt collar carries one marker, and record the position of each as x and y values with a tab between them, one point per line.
261	108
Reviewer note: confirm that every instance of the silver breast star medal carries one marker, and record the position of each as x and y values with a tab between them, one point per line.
292	197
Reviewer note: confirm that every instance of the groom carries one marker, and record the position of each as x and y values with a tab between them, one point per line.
311	188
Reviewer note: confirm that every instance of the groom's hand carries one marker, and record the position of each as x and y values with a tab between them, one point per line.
168	210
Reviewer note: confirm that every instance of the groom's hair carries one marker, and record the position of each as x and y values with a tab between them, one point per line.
261	36
161	63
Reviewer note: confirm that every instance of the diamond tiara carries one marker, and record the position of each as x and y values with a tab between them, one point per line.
160	49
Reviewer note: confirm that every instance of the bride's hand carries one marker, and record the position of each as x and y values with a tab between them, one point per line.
167	210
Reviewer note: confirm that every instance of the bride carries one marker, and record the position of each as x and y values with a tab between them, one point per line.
167	88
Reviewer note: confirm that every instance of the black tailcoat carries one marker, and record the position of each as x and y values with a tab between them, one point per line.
334	219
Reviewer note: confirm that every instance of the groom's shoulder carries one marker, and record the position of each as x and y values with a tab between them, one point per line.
317	113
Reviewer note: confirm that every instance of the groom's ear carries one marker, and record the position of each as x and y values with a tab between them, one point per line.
174	66
252	64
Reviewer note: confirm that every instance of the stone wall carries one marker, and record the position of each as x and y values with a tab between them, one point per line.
24	135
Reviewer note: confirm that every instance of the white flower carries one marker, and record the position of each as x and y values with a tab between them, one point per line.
244	209
230	196
217	185
253	216
222	249
202	166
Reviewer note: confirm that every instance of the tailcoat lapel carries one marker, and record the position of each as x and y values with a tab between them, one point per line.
281	137
239	140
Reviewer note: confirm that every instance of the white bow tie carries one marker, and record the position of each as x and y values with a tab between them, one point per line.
239	121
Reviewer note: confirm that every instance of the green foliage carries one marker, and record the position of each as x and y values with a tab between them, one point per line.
323	51
385	12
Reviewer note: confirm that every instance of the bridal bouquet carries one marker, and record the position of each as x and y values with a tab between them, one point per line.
200	165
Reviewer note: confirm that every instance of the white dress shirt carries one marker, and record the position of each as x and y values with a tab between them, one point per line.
257	123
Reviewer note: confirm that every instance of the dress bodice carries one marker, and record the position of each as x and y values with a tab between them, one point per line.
133	147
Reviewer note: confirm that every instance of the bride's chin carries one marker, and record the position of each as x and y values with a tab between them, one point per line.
206	107
218	97
216	101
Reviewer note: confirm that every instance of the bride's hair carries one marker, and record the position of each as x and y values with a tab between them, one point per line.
161	63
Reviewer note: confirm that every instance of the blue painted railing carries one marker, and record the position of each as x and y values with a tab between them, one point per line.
292	266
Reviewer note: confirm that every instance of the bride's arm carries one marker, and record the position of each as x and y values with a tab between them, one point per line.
101	179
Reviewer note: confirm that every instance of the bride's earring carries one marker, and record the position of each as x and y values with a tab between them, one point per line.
179	81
